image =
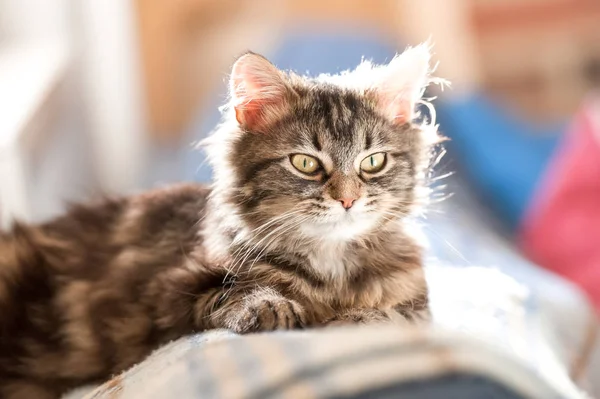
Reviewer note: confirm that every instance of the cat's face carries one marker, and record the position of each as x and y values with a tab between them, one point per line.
321	159
333	164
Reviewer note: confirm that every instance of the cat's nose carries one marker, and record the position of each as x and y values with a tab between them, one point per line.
347	202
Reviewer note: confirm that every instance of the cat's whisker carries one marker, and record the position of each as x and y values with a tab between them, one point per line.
256	231
395	215
297	220
292	225
259	229
452	247
243	247
276	219
440	177
388	219
200	220
249	251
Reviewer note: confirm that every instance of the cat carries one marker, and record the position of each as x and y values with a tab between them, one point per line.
306	225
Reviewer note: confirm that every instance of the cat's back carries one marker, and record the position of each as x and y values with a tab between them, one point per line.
90	234
173	209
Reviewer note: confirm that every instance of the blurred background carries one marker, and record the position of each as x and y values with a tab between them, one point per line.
109	96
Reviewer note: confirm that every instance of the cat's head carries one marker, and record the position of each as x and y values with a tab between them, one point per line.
332	156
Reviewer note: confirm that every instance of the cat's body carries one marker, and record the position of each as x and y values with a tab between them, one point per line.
304	226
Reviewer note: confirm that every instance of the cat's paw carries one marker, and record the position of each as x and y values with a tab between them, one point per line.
359	316
268	314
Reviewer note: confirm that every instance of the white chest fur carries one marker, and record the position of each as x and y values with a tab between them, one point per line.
332	260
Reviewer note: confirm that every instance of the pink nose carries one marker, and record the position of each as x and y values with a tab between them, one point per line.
347	202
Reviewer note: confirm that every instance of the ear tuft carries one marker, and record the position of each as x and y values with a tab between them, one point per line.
402	82
257	88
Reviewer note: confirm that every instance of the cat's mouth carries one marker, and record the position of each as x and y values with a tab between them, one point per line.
344	225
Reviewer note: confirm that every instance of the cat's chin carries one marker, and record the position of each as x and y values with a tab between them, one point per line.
343	228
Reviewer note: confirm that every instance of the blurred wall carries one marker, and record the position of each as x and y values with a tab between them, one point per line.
35	96
70	70
26	20
536	54
111	88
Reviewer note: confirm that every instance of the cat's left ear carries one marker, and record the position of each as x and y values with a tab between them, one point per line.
401	84
259	91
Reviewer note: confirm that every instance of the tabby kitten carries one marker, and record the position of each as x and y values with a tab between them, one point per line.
305	225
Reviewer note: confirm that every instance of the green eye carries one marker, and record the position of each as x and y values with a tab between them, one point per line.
373	163
305	164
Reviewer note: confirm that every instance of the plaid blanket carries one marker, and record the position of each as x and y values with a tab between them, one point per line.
357	362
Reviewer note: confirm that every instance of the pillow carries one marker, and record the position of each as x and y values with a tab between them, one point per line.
502	155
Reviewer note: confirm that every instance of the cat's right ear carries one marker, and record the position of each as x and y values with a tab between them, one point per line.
402	82
258	90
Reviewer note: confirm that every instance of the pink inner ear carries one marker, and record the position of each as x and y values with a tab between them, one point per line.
401	83
253	113
397	108
257	87
246	94
248	109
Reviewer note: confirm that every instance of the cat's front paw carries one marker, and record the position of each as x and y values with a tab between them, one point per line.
358	316
268	314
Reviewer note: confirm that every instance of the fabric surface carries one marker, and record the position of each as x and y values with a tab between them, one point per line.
336	363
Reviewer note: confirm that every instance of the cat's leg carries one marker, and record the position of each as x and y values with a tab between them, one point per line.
263	309
414	312
360	316
185	292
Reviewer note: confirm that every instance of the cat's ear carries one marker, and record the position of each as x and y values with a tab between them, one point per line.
402	82
258	90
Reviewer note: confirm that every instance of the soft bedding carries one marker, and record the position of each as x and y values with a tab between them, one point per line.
353	362
553	316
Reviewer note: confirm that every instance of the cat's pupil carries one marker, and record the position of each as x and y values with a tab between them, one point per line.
304	162
372	160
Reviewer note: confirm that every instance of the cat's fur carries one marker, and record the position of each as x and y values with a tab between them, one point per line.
91	293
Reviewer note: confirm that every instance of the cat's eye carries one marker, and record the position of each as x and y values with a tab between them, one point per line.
305	163
373	163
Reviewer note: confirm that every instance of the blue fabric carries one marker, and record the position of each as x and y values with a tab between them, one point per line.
312	53
503	156
318	53
459	386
